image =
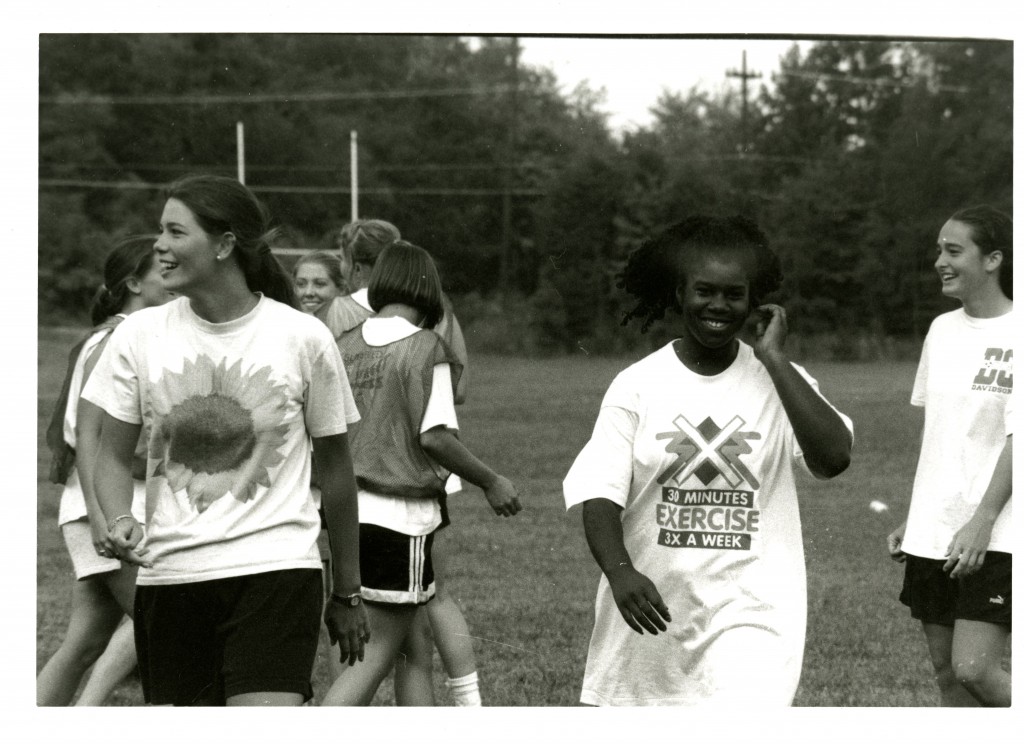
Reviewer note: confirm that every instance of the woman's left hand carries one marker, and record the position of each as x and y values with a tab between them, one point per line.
771	330
966	552
348	628
503	497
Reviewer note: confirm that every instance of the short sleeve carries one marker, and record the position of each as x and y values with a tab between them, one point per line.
114	382
440	409
1008	415
329	405
920	391
798	452
604	467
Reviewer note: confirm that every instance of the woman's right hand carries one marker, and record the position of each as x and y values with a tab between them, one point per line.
503	497
101	538
126	534
638	600
895	543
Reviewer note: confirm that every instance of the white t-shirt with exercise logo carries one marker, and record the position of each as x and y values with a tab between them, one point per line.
965	383
230	408
703	468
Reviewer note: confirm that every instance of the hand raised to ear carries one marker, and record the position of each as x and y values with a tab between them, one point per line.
771	330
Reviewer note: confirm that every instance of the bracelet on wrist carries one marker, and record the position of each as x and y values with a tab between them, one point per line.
115	520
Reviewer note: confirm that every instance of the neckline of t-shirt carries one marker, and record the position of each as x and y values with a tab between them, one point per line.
228	326
741	353
984	322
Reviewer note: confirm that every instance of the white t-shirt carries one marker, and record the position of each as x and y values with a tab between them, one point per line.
72	498
703	468
409	516
231	408
965	383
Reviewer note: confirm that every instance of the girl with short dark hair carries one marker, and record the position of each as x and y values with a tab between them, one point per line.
405	447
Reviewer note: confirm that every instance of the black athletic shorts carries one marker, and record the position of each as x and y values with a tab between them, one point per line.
203	642
933	597
395	568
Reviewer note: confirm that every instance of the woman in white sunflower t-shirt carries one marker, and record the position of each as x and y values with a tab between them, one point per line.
233	382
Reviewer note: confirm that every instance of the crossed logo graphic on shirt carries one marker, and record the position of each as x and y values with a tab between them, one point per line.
707	451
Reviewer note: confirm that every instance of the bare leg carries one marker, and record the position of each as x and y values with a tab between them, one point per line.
414	667
116	663
978	650
357	684
334	665
121	585
451	633
94	617
940	648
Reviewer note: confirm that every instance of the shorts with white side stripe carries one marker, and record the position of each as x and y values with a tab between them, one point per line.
395	568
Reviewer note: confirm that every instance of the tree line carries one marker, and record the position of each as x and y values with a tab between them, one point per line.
850	162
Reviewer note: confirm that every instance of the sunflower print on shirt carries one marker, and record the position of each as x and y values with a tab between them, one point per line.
219	430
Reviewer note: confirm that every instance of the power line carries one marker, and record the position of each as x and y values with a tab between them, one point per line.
526	165
147	186
892	83
74	99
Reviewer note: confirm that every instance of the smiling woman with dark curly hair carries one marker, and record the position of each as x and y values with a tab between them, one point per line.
687	485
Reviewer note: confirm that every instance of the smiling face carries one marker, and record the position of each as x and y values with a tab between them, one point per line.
186	253
314	286
714	297
151	287
966	273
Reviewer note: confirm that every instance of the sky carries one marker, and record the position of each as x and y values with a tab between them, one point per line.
634	72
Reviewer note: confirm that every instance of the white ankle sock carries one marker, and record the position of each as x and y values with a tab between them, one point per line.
466	690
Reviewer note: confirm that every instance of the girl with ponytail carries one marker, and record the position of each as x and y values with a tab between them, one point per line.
105	588
231	382
958	539
223	206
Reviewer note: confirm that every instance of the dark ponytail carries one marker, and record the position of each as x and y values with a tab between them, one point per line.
131	257
221	205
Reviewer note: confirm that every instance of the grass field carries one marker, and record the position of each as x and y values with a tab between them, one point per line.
527	584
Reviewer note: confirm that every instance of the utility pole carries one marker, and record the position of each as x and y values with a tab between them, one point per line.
506	171
240	150
353	148
744	75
